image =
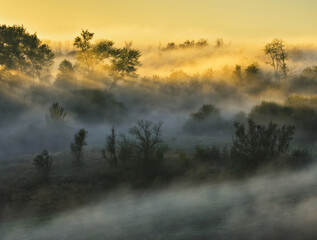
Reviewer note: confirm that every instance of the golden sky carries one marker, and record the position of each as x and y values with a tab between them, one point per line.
164	20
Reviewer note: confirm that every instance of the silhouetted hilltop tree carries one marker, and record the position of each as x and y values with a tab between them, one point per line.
43	163
104	56
258	145
187	44
277	57
126	61
90	55
77	146
22	51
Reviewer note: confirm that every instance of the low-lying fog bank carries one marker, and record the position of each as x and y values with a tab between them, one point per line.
282	206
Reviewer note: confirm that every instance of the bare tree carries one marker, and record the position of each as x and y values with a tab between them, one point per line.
145	147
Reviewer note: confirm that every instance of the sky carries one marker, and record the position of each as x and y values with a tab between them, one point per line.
165	20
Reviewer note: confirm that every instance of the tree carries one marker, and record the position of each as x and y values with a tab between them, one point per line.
77	147
219	42
145	148
56	114
43	163
252	70
259	144
22	51
237	73
126	61
110	152
90	56
277	57
205	111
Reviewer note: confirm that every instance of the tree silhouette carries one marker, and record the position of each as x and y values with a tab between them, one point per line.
126	61
22	51
77	147
259	144
277	57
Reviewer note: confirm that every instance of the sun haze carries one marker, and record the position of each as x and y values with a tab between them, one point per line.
146	21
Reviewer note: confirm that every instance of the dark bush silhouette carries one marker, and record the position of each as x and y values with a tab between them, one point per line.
43	163
110	151
77	146
258	145
207	119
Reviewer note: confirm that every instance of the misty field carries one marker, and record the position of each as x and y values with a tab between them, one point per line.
199	139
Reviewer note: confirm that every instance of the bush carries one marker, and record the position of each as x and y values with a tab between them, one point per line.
259	145
206	119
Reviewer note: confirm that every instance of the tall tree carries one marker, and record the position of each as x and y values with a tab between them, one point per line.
22	51
277	57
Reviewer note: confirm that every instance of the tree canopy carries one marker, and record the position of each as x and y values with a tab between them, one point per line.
22	51
103	55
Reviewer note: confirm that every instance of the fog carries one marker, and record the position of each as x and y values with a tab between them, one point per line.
251	208
136	179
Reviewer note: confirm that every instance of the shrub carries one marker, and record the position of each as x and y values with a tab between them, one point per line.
259	144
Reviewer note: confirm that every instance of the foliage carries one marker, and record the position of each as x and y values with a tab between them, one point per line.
126	61
22	51
77	146
277	57
103	55
205	111
259	144
43	163
252	70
